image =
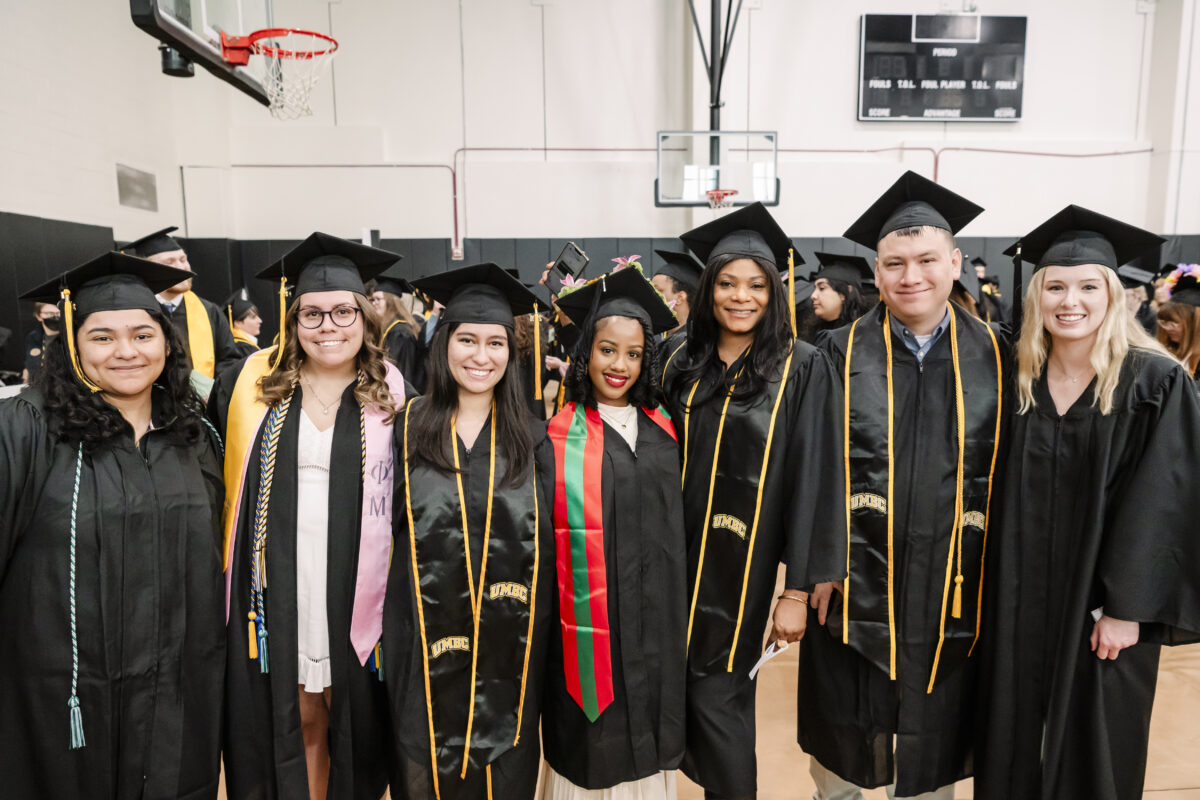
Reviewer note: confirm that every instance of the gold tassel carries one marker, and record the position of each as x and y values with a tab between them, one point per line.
956	609
69	324
282	313
229	311
253	637
537	354
792	288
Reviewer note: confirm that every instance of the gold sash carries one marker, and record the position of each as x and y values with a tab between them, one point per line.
200	335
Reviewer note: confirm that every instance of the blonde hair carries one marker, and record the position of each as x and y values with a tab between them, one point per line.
1188	319
1118	333
396	310
372	382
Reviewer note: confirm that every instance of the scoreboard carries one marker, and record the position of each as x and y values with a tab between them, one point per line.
941	68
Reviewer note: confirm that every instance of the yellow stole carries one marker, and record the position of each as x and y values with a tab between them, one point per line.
243	337
200	335
245	415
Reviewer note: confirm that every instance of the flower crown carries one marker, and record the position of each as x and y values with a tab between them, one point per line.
570	284
1180	271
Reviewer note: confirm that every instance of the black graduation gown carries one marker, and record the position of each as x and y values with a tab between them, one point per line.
801	520
641	732
402	348
515	772
1097	511
263	747
149	602
224	347
849	711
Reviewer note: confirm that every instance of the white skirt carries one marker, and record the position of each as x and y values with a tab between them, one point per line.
654	787
312	555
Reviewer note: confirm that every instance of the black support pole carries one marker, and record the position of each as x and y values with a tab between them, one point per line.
715	61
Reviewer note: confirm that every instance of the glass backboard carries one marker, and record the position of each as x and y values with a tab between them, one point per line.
692	162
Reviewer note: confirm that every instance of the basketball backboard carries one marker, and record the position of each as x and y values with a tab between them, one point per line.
690	163
192	28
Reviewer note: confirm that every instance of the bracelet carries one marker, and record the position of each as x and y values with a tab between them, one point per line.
791	597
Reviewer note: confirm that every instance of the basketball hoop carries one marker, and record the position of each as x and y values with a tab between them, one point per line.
720	198
290	74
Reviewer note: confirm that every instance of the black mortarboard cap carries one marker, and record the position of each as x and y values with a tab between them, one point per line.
324	263
681	266
912	201
481	293
749	232
1077	235
1134	277
153	244
111	282
968	280
1186	290
391	282
849	269
239	305
978	261
625	293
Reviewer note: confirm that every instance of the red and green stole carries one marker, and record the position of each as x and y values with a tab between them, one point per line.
577	433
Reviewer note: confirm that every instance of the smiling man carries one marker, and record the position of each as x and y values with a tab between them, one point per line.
886	684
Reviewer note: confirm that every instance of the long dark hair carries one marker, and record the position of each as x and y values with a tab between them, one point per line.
431	413
772	336
645	392
854	305
86	418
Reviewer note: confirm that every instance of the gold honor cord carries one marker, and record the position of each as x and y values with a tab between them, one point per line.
762	478
662	381
476	602
69	324
991	472
887	343
687	413
846	459
462	508
412	543
792	288
532	615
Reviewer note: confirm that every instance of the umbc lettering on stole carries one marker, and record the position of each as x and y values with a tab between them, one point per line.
514	590
975	519
868	500
450	643
731	523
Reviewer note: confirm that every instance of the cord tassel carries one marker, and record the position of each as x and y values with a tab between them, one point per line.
77	740
282	315
253	637
69	326
956	609
263	665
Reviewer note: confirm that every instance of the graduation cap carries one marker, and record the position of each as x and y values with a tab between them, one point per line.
849	269
682	267
749	232
388	281
1135	277
1077	235
153	244
482	293
625	293
968	281
912	201
978	261
238	305
1186	290
516	273
110	282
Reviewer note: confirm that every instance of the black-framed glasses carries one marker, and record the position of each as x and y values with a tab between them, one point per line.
342	316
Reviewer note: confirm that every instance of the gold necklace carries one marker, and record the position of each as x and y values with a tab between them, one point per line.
1074	379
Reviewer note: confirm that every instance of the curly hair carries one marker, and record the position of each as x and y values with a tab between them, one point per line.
646	391
85	418
432	412
772	336
372	384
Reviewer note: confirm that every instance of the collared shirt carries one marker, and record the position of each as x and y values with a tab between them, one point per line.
919	346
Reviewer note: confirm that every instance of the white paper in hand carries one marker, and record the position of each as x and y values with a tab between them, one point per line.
773	649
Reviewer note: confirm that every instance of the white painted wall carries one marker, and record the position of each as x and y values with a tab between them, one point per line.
416	81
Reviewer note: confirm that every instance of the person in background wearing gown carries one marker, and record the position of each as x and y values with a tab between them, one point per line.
1179	318
759	416
613	718
886	683
469	595
308	461
245	323
676	281
49	322
403	336
110	572
837	297
1095	561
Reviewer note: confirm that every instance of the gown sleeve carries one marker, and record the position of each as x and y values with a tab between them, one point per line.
816	515
1150	558
24	456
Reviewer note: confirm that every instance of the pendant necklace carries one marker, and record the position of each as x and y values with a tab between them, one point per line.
324	408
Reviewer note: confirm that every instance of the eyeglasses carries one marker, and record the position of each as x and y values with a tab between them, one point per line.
342	316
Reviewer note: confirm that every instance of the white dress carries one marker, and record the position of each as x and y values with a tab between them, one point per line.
313	450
